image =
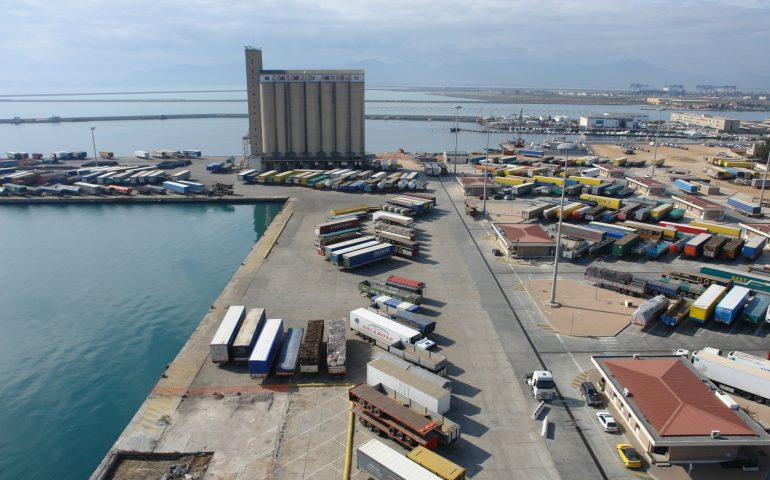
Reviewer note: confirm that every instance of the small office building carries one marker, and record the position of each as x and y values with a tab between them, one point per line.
698	207
646	186
522	240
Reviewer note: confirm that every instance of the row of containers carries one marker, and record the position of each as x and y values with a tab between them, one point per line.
632	236
14	159
341	239
250	337
726	294
97	181
342	179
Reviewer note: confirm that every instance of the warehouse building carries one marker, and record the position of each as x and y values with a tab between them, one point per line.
672	410
613	120
699	207
611	171
304	118
474	186
646	186
519	240
720	124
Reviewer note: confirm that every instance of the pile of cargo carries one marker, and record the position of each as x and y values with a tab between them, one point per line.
310	350
336	350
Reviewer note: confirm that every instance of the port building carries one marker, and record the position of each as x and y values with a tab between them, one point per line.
613	120
720	124
304	118
673	411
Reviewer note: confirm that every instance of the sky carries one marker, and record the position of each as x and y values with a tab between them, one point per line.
70	42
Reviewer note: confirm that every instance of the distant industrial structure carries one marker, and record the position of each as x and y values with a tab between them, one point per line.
720	124
613	120
304	118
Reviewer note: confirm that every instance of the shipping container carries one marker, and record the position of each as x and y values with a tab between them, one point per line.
382	330
336	255
756	310
582	232
336	247
347	210
437	464
261	359
661	211
679	227
336	347
685	186
754	247
426	389
194	186
181	175
623	245
406	284
248	334
717	228
613	203
744	206
336	225
381	462
694	248
703	307
222	342
421	323
289	355
731	305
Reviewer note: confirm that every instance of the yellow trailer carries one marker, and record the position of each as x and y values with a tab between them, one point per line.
568	209
613	203
620	161
715	228
436	464
704	305
738	163
549	180
348	210
661	211
512	180
262	177
586	180
659	161
515	171
281	177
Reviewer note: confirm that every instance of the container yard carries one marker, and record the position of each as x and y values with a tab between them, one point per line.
484	329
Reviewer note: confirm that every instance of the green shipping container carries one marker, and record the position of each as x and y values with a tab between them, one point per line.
756	309
623	245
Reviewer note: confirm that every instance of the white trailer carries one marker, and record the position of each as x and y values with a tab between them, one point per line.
736	372
89	188
223	339
248	334
141	154
417	387
381	462
381	330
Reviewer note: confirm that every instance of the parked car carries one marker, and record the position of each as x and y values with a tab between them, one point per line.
589	394
608	423
628	455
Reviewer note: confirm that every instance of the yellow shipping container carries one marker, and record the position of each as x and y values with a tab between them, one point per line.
714	228
586	180
704	305
281	177
613	203
436	464
549	180
348	210
515	171
661	211
568	209
738	163
659	161
511	180
620	161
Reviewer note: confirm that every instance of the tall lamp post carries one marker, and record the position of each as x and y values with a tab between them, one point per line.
457	132
657	139
486	163
93	142
565	147
764	179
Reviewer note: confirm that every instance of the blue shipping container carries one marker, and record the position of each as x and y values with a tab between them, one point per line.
731	305
367	255
287	359
685	186
419	322
176	187
261	359
194	186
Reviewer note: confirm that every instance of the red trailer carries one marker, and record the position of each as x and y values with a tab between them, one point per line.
402	283
684	228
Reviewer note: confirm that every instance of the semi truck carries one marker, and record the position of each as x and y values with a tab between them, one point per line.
261	359
221	345
735	372
541	384
310	350
382	331
289	355
248	334
336	348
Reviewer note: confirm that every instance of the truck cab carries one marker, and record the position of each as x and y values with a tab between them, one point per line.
541	384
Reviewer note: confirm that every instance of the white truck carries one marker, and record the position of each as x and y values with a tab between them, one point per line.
735	372
381	330
541	384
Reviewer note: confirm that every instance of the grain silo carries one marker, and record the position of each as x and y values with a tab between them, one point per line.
313	117
328	134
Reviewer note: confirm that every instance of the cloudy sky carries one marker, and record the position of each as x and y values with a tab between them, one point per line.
72	41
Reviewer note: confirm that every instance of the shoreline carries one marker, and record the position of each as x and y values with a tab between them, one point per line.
143	199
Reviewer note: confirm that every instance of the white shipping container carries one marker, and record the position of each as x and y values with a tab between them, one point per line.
729	374
417	389
228	329
382	329
383	463
248	333
141	154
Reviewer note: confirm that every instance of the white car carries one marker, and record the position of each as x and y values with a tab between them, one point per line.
608	423
681	352
425	344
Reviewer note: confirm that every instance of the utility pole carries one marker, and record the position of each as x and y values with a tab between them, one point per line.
764	179
553	303
486	163
657	139
93	142
457	132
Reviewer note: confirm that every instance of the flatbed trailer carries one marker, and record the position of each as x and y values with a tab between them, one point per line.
381	288
703	279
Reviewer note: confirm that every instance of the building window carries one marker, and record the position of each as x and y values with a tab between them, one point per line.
637	429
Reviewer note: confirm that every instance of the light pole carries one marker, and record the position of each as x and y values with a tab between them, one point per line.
764	179
486	164
93	142
457	131
566	147
657	139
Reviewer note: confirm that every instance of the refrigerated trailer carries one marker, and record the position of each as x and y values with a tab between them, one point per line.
735	372
248	334
731	305
261	359
222	342
380	330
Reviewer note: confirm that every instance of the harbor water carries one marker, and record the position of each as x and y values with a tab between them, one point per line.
96	301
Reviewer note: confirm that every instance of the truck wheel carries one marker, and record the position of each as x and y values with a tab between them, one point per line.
376	411
361	403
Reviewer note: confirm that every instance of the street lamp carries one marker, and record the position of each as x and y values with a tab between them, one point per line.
486	163
565	147
93	142
657	139
457	131
764	179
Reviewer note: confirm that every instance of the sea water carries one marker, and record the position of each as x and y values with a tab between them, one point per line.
95	301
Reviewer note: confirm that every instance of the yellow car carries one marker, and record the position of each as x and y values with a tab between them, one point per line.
630	458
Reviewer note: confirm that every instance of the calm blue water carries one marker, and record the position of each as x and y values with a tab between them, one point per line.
96	301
